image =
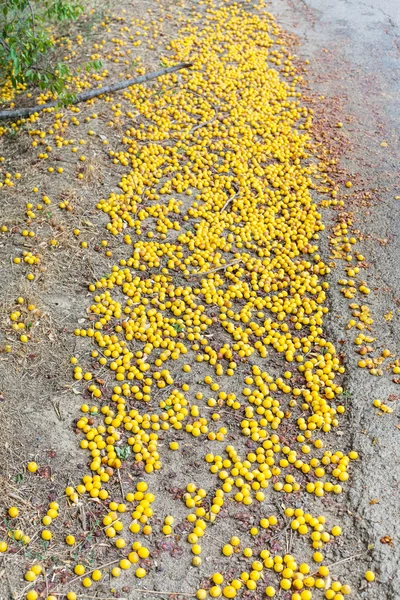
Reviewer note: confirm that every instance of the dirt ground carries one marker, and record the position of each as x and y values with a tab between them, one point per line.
354	54
348	56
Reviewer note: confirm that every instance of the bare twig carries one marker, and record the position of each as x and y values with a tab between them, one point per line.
22	548
120	484
107	89
16	497
97	597
57	409
203	274
82	516
142	590
4	44
32	16
213	537
230	200
113	562
344	560
206	122
146	591
339	562
289	541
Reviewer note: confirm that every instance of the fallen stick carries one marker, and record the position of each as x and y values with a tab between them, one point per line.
113	562
200	125
340	562
204	273
343	560
146	591
230	200
143	590
114	87
97	597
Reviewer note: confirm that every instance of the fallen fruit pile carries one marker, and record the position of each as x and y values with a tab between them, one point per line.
222	283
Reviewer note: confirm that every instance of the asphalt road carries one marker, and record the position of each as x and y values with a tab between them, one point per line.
354	53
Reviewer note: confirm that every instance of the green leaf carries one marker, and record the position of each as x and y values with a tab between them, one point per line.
123	452
26	33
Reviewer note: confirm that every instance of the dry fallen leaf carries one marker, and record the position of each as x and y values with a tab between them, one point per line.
386	539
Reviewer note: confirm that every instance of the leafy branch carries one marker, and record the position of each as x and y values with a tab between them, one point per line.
25	41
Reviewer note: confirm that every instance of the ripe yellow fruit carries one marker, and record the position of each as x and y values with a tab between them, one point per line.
97	575
229	592
17	534
13	512
370	576
227	550
318	557
140	572
79	569
32	466
143	552
142	486
285	584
